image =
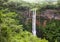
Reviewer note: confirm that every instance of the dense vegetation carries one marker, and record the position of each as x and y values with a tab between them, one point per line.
14	28
12	31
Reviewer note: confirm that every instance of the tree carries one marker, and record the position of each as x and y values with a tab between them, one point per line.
58	3
12	31
9	25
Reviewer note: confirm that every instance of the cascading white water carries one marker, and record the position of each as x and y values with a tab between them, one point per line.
34	23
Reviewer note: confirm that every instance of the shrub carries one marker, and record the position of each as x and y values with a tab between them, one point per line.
52	31
12	31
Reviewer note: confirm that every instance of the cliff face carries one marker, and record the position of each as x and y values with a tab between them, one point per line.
51	14
45	15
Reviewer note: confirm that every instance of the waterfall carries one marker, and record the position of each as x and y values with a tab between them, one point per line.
34	23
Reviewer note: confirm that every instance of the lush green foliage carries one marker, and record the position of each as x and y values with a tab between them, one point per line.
52	31
12	31
9	24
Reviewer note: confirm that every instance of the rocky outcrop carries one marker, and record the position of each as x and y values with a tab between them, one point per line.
50	14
